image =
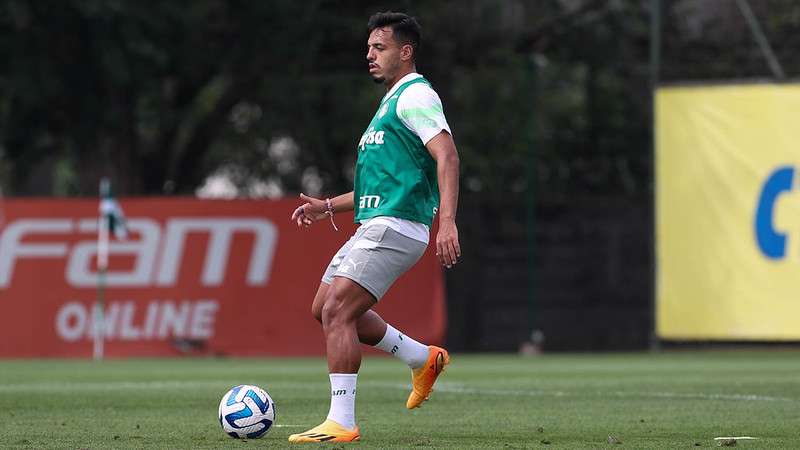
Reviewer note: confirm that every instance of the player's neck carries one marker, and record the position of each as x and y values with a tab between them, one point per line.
399	77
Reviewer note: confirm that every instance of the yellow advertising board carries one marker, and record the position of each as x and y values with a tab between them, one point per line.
728	212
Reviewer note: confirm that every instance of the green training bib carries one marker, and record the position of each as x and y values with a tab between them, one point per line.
395	174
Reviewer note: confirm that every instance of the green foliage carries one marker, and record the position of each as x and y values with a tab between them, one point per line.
138	89
161	94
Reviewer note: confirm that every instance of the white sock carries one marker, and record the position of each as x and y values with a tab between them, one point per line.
401	346
343	399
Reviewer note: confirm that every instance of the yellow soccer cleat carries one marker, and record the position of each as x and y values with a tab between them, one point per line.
422	379
328	431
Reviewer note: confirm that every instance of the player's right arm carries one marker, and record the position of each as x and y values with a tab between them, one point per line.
315	209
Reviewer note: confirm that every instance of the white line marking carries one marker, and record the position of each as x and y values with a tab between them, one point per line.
738	438
53	386
461	389
453	388
701	396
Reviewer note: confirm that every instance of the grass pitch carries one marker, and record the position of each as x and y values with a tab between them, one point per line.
643	401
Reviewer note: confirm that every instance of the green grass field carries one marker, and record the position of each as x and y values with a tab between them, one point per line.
667	400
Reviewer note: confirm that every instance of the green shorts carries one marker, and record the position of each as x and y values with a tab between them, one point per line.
374	258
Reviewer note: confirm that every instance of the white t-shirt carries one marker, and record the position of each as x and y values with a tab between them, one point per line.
420	110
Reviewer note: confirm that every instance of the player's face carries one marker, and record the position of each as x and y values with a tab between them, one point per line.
383	55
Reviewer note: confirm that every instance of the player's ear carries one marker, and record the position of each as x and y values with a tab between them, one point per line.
406	52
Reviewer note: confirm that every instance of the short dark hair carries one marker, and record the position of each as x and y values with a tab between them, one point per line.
405	28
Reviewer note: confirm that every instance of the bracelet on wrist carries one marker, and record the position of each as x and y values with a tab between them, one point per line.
330	211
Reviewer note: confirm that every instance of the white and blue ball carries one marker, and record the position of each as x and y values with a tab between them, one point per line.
246	412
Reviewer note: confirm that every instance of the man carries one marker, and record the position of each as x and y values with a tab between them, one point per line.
407	169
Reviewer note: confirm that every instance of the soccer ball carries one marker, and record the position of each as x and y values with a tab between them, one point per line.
246	411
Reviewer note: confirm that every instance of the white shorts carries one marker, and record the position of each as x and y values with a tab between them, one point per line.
374	257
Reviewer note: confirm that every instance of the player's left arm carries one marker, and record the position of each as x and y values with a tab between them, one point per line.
315	209
443	150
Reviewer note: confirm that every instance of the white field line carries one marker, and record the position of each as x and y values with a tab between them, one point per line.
50	386
461	389
452	388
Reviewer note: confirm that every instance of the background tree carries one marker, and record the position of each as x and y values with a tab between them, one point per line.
273	95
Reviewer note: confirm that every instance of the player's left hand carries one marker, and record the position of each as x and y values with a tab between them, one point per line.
447	247
312	210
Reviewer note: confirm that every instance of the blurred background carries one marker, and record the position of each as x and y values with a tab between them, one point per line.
550	103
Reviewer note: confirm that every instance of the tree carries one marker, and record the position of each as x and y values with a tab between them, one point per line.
159	95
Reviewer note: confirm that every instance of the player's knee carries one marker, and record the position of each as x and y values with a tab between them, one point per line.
331	312
334	311
316	311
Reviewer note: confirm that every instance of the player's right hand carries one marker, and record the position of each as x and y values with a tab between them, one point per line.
312	210
448	248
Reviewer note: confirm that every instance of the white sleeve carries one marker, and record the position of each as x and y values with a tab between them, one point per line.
420	110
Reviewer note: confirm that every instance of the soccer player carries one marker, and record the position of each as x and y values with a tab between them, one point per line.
407	170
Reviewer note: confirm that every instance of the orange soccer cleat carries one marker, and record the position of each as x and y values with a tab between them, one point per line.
328	431
422	379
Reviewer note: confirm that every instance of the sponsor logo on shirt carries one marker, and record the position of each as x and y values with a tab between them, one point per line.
369	201
370	137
